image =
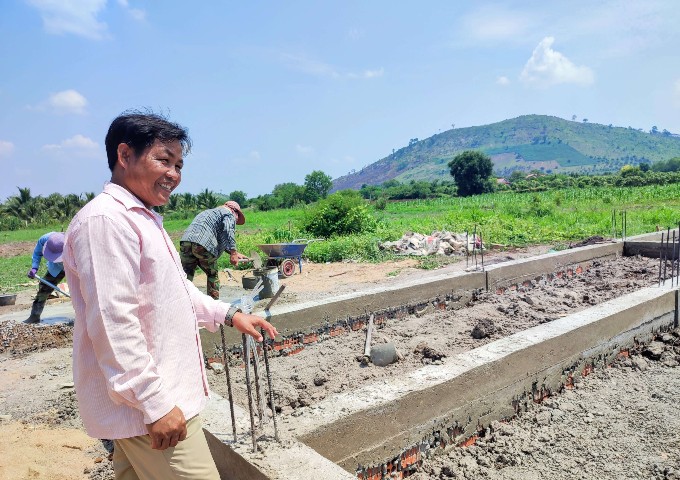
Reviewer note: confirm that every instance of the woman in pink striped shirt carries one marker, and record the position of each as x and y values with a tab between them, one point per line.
138	365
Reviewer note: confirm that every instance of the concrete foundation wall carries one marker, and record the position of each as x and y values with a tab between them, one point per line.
450	402
518	271
304	317
485	384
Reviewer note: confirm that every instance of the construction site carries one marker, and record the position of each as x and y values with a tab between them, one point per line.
518	365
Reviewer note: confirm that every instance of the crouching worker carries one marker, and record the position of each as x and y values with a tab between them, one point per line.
138	364
50	246
211	233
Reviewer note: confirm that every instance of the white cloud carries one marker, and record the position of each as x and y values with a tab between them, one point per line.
367	74
304	149
676	93
254	155
503	81
6	148
67	101
78	144
497	24
549	67
78	17
136	13
320	69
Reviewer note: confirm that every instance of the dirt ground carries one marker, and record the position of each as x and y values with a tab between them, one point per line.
43	437
334	365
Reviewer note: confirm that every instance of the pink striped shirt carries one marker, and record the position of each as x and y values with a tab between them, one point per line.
136	348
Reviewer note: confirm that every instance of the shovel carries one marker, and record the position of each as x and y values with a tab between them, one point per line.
53	286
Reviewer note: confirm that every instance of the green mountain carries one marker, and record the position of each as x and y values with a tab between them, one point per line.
529	142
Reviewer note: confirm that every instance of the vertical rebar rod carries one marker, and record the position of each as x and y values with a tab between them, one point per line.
226	371
258	395
269	384
665	255
677	282
614	223
673	260
474	246
660	257
481	247
622	226
467	248
246	360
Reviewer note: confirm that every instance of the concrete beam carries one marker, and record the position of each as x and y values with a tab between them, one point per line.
376	422
288	460
313	315
518	271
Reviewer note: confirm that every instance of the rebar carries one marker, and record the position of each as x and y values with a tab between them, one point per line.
226	371
660	257
673	260
266	360
467	248
665	255
256	374
481	247
269	384
677	281
246	359
474	246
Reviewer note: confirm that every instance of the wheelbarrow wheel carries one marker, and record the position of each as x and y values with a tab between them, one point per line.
287	268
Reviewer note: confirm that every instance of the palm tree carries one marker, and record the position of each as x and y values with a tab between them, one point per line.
206	199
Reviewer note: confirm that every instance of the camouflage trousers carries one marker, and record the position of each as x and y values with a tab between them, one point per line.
44	291
195	256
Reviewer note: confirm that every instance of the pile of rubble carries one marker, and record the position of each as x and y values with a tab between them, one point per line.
439	243
20	338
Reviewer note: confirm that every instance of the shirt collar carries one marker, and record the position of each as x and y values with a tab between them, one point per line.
128	200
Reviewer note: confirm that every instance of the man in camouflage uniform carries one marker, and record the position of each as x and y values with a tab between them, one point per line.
211	233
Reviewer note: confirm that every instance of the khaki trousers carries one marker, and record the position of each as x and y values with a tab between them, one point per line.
134	459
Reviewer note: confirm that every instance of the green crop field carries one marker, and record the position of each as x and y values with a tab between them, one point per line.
512	219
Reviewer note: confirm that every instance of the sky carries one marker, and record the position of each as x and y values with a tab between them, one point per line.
271	91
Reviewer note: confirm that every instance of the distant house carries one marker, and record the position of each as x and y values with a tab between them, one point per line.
531	175
502	181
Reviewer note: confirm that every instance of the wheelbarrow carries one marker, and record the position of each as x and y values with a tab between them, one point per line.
283	255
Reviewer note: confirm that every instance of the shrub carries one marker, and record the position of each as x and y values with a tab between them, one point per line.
342	213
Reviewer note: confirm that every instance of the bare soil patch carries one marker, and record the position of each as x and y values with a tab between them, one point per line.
618	422
14	249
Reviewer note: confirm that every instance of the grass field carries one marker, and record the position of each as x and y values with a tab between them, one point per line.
513	219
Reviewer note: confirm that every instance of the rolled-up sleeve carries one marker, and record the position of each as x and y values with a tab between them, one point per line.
229	232
108	256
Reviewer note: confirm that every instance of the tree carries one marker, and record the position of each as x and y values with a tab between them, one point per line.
317	186
239	197
472	170
289	194
206	199
654	130
573	118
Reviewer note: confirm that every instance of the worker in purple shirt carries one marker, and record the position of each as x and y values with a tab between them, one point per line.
50	246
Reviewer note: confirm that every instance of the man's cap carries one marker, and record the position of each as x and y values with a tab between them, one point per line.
236	208
54	247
